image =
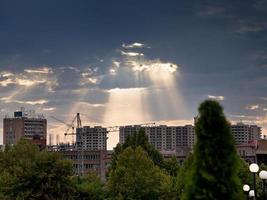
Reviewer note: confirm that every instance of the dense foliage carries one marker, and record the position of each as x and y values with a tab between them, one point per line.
214	173
136	177
27	173
89	187
138	139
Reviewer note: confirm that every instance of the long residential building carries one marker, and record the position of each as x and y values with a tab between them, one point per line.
164	138
169	138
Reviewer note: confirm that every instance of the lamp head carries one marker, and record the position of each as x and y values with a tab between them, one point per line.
251	193
246	188
263	175
254	168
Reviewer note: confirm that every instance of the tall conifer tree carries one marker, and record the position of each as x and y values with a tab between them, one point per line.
214	174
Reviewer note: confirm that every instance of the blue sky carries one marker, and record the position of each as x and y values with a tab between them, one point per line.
125	62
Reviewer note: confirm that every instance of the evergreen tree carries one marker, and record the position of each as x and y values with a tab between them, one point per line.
214	173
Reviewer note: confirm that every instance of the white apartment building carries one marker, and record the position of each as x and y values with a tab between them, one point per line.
169	138
164	138
92	138
243	133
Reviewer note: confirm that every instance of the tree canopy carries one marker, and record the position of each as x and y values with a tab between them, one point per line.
136	177
27	173
135	140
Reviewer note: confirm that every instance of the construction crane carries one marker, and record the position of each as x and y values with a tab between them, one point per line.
71	125
79	140
80	137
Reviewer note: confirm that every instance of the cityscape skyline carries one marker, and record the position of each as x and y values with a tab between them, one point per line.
119	64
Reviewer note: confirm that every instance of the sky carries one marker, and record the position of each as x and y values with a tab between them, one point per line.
131	62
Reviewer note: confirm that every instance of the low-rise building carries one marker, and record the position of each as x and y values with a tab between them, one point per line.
85	161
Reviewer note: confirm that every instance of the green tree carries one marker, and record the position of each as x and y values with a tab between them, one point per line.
215	168
134	140
243	172
136	177
89	187
172	166
183	174
27	173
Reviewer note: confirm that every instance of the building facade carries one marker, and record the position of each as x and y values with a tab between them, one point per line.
244	133
85	161
25	125
92	138
169	138
164	138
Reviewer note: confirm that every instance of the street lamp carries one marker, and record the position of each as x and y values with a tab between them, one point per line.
246	189
263	177
254	168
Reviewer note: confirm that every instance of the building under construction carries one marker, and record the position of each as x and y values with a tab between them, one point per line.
85	160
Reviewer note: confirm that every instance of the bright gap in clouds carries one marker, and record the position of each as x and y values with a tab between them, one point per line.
124	107
134	105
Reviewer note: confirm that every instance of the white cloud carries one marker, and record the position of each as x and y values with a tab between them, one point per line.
112	72
29	78
153	65
49	109
70	68
34	102
253	107
43	70
6	74
218	98
91	80
122	90
26	82
246	26
116	63
132	54
89	76
95	105
134	45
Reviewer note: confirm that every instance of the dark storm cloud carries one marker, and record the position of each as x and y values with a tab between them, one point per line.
219	46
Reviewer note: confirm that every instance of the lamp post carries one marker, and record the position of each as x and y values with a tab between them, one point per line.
246	189
263	177
251	193
254	168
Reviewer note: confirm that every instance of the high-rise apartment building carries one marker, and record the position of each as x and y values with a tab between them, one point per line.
243	133
92	138
169	138
163	137
27	125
